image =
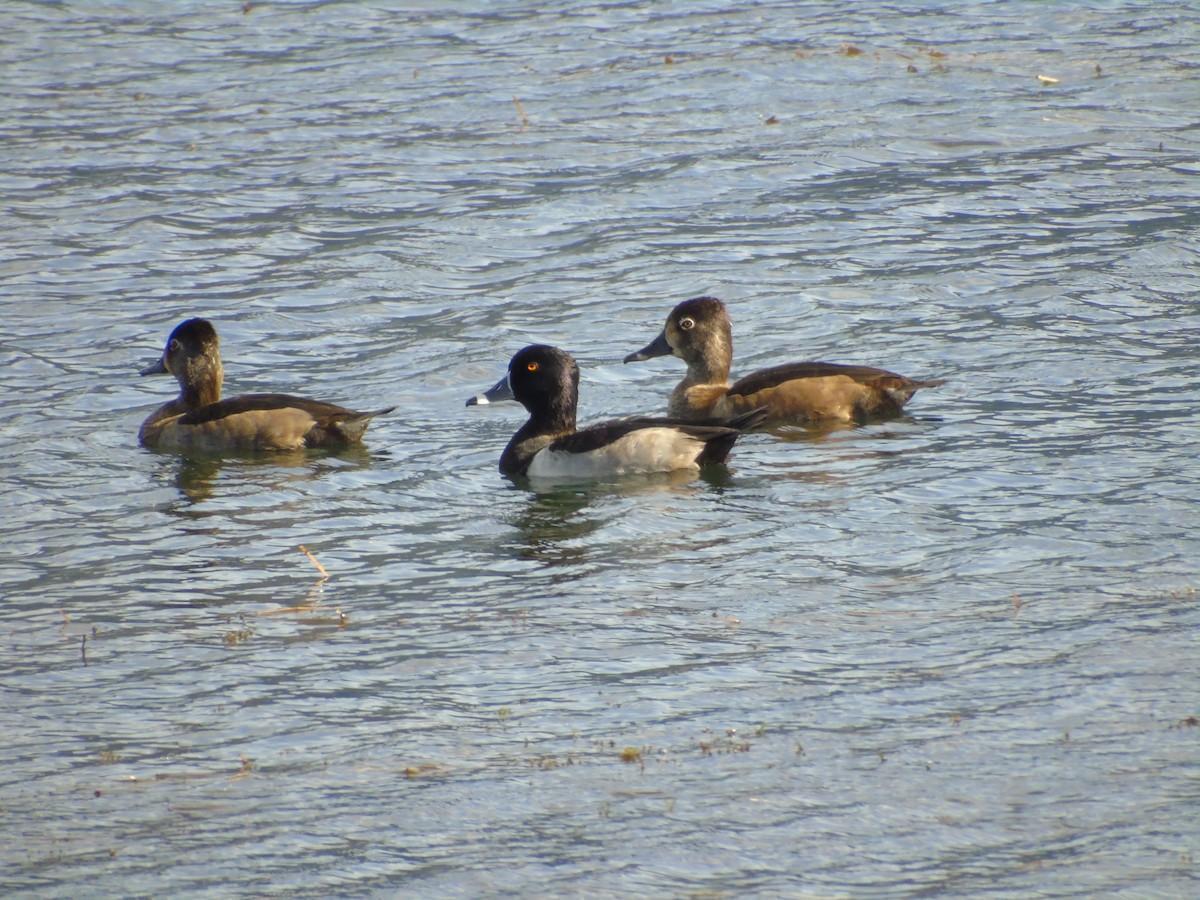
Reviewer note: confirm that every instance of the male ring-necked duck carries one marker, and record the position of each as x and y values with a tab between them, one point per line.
698	331
198	419
545	380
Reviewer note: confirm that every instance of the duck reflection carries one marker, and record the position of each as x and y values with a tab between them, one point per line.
556	524
815	432
196	475
839	448
811	432
553	527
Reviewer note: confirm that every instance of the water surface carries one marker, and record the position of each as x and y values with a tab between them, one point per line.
951	654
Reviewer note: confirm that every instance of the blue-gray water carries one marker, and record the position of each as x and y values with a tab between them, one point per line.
955	654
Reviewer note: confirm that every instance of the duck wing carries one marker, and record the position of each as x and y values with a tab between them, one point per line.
777	375
327	423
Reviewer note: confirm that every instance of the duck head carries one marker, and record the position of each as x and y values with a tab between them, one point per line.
699	332
193	356
543	379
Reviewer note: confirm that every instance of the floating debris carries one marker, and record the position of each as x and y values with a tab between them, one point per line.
423	769
315	562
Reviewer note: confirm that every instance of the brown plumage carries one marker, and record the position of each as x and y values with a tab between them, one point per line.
699	332
198	419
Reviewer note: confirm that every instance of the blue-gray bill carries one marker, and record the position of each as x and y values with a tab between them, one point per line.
501	390
657	347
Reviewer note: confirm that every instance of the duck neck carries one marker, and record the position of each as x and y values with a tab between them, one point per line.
201	383
557	417
710	365
535	434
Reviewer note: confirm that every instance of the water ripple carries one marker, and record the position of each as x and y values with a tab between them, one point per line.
915	655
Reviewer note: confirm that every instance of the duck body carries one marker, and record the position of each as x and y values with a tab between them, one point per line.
545	380
254	422
199	420
699	332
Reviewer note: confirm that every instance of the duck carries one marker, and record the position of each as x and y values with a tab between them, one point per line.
699	332
545	380
199	420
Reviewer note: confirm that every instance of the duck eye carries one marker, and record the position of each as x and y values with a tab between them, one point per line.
175	345
687	323
531	366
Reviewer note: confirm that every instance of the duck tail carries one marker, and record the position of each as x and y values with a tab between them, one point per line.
896	390
718	446
352	428
747	420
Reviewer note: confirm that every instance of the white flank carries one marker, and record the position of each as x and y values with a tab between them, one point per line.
644	450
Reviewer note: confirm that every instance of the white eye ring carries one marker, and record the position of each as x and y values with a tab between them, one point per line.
687	323
175	345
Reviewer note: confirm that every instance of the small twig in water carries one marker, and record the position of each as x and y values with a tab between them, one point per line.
279	610
521	110
315	562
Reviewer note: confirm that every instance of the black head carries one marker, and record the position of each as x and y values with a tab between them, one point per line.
545	380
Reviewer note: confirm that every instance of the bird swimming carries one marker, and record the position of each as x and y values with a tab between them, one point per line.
545	380
699	332
199	420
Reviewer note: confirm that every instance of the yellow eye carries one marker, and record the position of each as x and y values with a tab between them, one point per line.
687	323
531	366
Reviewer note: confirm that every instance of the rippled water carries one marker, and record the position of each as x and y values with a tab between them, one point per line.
953	654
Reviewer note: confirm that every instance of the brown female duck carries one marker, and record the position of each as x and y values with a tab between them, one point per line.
198	419
699	332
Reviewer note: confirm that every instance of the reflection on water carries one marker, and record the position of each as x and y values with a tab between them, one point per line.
555	523
196	474
551	526
876	429
801	432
